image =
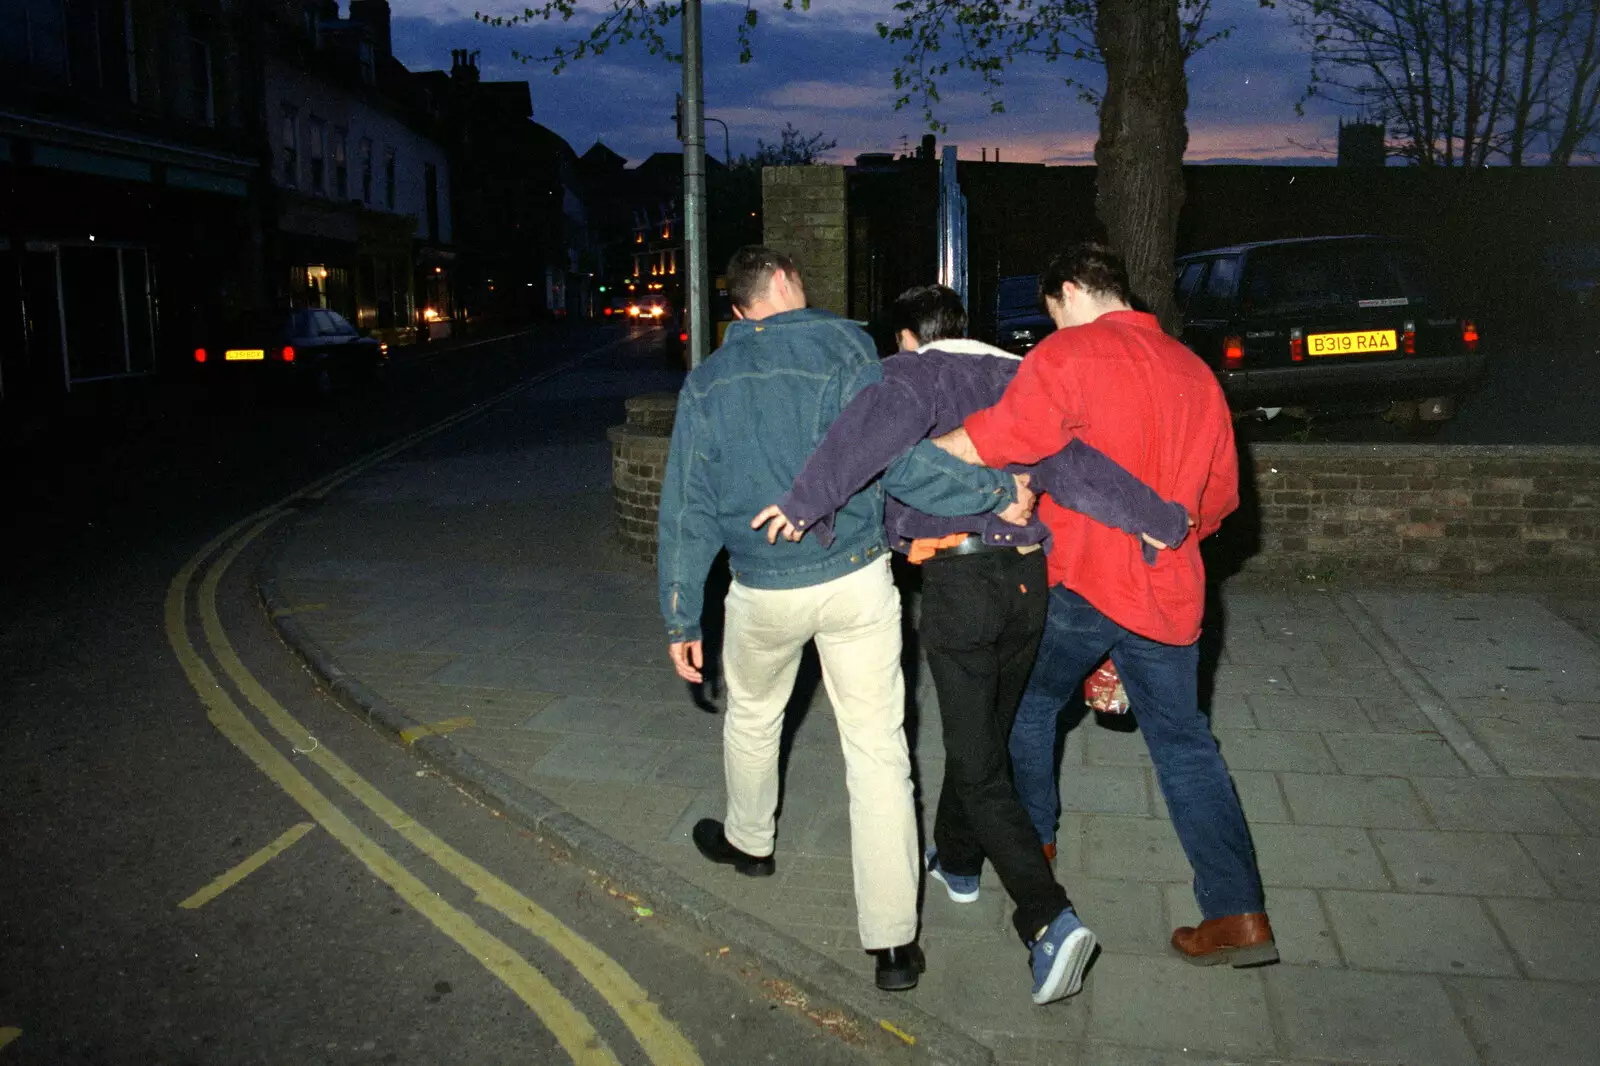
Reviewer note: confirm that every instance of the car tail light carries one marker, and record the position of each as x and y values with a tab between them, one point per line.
1232	352
199	355
608	312
1297	345
288	354
1469	335
1408	339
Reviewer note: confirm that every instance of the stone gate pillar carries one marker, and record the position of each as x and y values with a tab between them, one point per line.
638	461
805	216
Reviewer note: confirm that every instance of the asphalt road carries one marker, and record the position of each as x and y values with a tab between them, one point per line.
205	860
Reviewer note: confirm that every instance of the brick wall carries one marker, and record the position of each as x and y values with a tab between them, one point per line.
1311	511
804	215
638	460
1409	510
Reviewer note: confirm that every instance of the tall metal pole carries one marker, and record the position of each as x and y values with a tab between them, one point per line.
694	188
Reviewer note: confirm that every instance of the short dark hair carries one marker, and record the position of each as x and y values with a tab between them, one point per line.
750	271
1092	267
931	313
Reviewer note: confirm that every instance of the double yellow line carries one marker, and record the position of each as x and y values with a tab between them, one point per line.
660	1040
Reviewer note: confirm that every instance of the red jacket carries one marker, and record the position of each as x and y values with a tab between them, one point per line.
1154	407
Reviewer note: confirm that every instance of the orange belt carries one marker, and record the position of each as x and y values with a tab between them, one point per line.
924	548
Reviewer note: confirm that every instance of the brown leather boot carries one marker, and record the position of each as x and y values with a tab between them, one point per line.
1050	852
1238	939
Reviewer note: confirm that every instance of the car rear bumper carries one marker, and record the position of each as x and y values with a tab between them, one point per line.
1388	379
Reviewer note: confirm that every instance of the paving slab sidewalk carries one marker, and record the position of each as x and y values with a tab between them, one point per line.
1421	769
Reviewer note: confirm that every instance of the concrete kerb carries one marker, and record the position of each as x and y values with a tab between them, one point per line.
936	1041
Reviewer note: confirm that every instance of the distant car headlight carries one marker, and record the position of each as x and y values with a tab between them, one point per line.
1020	335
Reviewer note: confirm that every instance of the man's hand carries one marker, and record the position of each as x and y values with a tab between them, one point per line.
1159	545
958	444
1019	512
687	658
776	522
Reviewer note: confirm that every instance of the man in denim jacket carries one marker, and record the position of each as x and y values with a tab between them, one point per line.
983	602
747	418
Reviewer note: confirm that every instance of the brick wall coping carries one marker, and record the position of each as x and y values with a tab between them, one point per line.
643	436
1532	452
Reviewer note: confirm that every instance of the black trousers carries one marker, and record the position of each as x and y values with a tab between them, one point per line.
982	617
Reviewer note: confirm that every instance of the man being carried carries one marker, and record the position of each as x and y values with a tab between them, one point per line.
746	420
1111	378
983	602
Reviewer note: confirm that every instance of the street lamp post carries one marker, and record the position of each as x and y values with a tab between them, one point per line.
694	187
727	156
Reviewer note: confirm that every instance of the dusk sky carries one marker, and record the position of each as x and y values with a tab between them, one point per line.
827	70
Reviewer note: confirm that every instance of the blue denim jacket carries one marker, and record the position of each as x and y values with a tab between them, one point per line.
747	419
931	391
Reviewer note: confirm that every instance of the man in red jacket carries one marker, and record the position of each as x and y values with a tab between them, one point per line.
1112	378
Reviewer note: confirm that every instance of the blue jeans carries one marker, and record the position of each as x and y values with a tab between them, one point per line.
1163	692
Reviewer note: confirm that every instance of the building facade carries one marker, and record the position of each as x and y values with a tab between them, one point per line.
128	165
522	211
359	206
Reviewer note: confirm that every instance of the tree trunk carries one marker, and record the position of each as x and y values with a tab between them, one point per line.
1139	188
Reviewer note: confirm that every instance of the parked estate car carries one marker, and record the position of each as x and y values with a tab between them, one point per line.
1329	323
1019	321
311	347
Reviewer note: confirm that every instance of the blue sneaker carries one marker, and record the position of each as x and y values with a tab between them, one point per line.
1059	956
963	888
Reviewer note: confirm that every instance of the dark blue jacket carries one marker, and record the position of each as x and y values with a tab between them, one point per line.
747	418
931	391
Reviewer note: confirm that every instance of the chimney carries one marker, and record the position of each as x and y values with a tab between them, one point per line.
929	144
374	14
463	66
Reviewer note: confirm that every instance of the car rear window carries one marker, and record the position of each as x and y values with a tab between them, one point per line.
258	323
1290	278
1020	293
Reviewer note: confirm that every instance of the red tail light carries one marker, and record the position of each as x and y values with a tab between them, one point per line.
1297	345
199	355
608	312
288	354
1408	339
1469	335
1232	352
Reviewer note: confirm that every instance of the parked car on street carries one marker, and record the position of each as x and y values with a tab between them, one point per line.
315	349
1329	323
1019	320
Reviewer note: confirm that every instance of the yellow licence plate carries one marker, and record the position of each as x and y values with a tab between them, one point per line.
1358	343
236	355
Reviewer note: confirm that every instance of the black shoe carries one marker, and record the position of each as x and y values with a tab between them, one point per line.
899	967
713	844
